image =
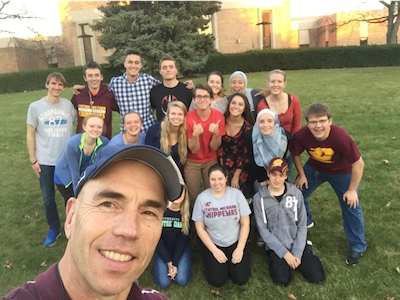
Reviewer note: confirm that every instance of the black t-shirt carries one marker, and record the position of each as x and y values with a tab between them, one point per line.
279	198
161	96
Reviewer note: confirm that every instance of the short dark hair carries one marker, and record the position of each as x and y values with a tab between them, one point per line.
318	110
131	51
220	168
247	115
203	86
167	58
91	65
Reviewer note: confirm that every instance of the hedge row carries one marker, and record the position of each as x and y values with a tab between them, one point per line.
35	79
250	61
306	58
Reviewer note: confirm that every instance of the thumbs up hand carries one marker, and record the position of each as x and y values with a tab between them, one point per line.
197	129
214	128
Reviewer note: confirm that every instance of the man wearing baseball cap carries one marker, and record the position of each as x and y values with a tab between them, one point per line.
113	226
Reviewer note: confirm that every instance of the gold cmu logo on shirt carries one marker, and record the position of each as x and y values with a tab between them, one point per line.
323	155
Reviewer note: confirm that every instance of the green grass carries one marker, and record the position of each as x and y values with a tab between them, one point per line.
364	101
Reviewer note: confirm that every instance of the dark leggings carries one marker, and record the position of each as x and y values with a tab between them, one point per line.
310	267
217	274
65	192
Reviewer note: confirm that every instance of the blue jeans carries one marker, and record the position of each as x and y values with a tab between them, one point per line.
183	276
46	181
353	219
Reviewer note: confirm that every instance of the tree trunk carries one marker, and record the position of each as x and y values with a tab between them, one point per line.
393	21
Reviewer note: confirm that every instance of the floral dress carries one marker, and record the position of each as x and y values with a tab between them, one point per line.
233	155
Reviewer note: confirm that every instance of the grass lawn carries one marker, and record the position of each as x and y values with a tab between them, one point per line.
366	102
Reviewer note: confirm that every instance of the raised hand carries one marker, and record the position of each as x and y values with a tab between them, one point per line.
214	128
197	129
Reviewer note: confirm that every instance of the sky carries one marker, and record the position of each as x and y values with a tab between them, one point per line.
47	22
46	11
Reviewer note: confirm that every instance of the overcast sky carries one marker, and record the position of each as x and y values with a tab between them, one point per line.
48	19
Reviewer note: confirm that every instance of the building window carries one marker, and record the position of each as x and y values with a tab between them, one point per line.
266	32
87	41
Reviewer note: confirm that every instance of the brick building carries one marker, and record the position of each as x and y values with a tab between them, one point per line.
239	26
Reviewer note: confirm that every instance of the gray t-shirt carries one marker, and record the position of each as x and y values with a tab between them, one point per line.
221	216
54	126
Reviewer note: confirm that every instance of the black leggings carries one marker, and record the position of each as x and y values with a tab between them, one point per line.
217	274
310	267
65	192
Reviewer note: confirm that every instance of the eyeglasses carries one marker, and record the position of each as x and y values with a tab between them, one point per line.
314	123
205	97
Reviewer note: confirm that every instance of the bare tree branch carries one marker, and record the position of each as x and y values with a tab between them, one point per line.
327	24
46	49
22	14
19	15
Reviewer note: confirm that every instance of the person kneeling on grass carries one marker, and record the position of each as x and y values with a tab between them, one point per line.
172	256
281	221
222	221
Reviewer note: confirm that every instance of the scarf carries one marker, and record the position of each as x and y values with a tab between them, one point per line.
267	147
247	91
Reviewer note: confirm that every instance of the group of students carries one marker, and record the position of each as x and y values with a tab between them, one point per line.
243	147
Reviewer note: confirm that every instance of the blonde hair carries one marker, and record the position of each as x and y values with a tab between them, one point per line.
166	130
277	71
185	212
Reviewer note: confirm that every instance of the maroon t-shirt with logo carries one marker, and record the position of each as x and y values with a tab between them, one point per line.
333	156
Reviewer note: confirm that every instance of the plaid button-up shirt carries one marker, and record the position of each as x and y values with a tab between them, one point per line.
134	96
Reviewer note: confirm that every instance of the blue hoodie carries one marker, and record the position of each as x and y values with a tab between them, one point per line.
68	167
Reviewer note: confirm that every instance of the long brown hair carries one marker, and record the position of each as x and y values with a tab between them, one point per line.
247	115
165	142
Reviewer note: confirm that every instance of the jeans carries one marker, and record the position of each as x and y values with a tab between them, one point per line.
183	276
353	219
46	181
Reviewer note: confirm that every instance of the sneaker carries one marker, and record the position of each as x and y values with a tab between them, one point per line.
311	225
260	242
52	237
353	258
